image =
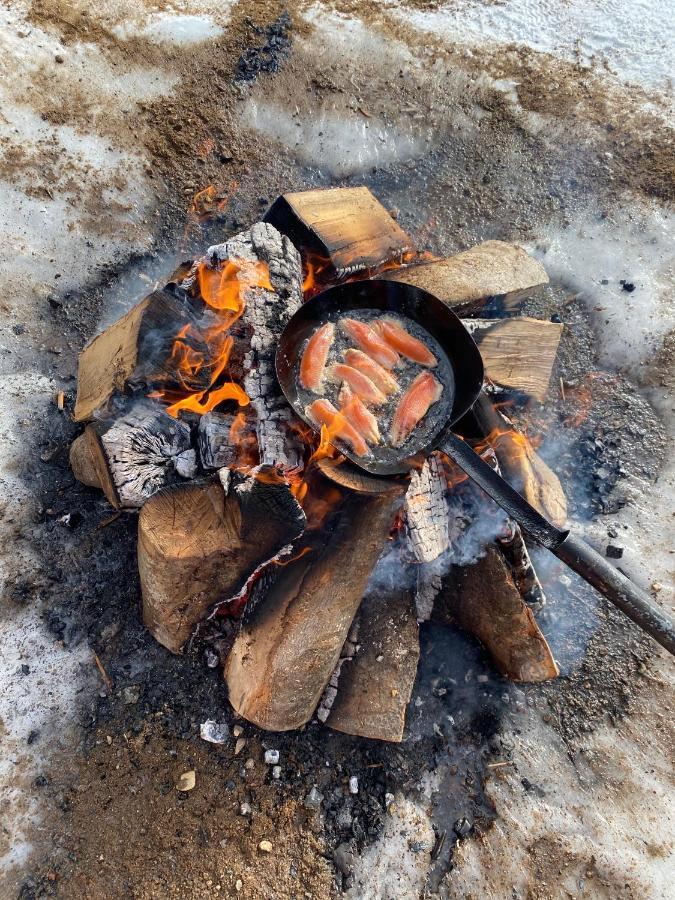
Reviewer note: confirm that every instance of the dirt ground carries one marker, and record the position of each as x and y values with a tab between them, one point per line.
510	144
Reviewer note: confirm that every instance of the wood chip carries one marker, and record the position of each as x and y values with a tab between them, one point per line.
186	781
265	846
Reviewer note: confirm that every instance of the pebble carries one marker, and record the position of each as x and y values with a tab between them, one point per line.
265	846
271	757
239	746
353	785
244	809
314	799
249	764
276	772
186	781
237	731
238	885
614	551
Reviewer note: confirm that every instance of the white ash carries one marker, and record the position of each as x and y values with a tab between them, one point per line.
353	784
347	654
427	512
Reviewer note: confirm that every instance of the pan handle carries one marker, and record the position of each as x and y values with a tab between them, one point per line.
569	548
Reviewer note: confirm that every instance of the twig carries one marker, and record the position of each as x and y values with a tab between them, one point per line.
499	765
60	397
104	675
108	521
562	389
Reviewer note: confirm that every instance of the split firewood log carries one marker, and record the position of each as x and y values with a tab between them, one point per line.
141	339
518	353
198	543
136	455
376	675
521	464
469	279
347	227
290	640
483	599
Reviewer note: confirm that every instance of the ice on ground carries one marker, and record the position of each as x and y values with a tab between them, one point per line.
635	40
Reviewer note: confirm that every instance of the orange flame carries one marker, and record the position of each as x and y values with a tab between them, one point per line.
222	290
244	440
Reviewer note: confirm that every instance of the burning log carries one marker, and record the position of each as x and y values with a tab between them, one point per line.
521	464
483	599
198	544
266	315
227	439
468	280
348	227
136	455
290	641
427	511
141	338
518	353
376	680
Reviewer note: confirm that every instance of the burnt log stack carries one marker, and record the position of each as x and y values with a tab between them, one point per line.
231	518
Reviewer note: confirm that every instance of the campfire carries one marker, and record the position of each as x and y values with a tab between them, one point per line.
306	575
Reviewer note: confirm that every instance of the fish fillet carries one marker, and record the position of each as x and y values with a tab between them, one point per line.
322	412
315	356
370	341
357	414
414	405
380	377
404	343
358	382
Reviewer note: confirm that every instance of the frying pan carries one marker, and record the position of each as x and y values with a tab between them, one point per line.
463	361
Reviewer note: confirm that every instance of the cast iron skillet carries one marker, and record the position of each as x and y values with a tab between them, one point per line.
466	365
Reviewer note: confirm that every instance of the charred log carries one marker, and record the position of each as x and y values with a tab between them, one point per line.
226	439
140	453
198	543
290	642
427	511
483	599
468	280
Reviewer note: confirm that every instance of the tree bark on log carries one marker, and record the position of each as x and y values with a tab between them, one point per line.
290	641
376	681
82	462
483	599
469	279
198	544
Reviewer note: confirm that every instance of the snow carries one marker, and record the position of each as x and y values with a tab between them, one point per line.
635	40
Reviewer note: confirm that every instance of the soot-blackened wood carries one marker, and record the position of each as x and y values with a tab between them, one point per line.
198	543
227	439
427	511
347	227
469	279
140	342
140	453
377	675
266	313
483	599
290	642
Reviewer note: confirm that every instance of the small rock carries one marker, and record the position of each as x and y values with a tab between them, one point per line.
244	809
237	731
25	670
58	58
265	846
131	694
613	551
462	827
214	732
238	885
276	772
186	781
211	659
314	799
353	785
628	286
249	764
388	799
239	746
271	757
33	736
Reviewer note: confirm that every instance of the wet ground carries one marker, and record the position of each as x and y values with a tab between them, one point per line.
113	120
